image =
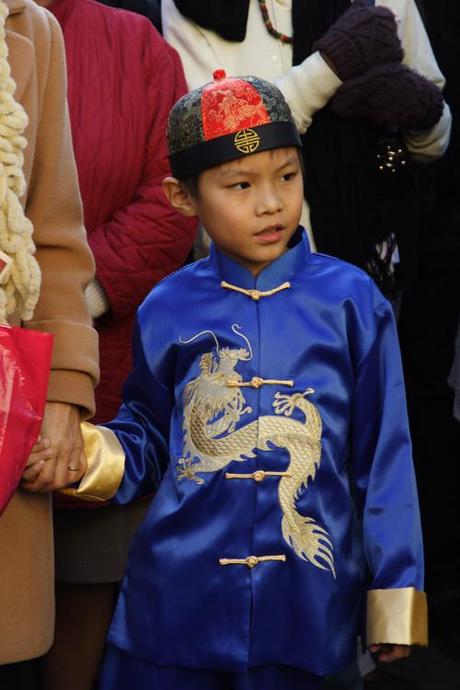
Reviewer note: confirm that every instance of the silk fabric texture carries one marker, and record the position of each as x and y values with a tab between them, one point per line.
323	326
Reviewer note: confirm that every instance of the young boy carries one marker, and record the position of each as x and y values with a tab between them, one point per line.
267	409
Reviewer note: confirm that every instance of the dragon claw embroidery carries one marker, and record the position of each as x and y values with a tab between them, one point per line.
285	404
214	437
186	470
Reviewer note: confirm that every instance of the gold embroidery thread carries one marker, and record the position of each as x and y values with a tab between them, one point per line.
246	141
185	470
214	437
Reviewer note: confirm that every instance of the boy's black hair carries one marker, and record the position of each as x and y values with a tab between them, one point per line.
191	184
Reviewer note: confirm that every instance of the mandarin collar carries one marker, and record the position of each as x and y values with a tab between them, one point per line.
279	271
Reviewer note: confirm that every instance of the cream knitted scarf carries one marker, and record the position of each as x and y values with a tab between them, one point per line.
20	279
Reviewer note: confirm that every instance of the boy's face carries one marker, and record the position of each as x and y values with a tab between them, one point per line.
251	207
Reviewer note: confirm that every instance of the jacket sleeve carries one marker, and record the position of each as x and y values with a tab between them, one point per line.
307	87
128	456
385	492
146	238
54	207
418	55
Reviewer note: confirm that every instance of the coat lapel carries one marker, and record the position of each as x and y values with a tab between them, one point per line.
21	56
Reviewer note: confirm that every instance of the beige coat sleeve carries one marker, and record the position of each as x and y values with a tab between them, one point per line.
54	207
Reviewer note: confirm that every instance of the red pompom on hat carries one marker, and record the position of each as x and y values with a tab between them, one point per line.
227	119
219	74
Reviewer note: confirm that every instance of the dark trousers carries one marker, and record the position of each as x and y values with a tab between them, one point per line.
121	671
22	676
350	679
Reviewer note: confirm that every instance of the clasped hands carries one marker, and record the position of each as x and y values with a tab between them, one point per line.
58	457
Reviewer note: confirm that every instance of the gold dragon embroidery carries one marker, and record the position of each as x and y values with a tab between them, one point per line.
212	411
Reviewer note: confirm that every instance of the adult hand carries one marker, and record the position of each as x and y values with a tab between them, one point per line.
362	38
391	94
40	455
61	427
390	652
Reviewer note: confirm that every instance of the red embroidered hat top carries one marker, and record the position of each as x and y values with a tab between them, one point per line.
226	119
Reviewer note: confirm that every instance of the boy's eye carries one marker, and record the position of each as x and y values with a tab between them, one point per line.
289	175
240	185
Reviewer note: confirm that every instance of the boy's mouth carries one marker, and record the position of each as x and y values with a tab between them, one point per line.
272	233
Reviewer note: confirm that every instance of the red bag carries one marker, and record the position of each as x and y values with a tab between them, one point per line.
25	360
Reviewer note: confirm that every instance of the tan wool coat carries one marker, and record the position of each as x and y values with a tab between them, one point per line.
52	203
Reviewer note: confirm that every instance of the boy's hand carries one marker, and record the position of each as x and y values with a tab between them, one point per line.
387	653
41	453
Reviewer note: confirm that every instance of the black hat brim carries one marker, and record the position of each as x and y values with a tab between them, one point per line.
208	154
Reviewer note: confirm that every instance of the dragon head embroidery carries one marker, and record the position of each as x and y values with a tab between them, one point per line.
220	406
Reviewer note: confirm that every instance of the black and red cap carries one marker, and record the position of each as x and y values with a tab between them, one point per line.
227	119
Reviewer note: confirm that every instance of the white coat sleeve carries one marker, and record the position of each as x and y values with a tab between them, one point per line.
418	55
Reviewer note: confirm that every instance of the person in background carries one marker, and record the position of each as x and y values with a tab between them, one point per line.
427	327
33	105
348	108
148	8
123	80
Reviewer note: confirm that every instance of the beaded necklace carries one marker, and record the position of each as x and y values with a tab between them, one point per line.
270	28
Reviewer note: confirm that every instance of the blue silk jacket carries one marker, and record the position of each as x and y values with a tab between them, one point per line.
269	416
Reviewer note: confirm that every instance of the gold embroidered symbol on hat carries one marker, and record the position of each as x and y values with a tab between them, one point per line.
246	141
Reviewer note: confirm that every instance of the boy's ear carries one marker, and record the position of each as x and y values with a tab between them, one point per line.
178	197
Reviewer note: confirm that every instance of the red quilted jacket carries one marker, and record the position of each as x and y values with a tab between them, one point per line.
123	80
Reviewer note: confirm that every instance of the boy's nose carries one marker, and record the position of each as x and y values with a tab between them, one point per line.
268	201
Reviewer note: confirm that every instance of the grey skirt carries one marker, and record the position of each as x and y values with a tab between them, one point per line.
91	546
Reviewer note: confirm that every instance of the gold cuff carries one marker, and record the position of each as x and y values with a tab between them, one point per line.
106	464
397	616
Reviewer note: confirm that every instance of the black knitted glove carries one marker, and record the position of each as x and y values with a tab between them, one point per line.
392	95
362	38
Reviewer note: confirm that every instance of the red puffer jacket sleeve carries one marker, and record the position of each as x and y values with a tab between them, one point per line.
146	240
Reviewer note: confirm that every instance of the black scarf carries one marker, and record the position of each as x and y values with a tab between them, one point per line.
228	18
352	205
